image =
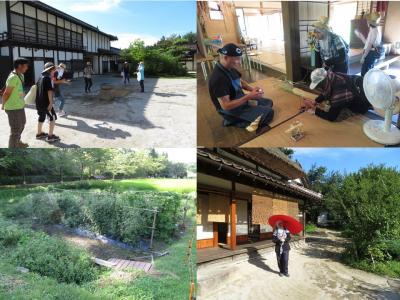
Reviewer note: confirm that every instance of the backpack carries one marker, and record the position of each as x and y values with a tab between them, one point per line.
30	97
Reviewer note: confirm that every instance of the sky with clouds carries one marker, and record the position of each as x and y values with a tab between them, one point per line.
129	20
347	159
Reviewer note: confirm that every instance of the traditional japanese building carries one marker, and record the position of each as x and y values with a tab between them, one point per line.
239	189
41	33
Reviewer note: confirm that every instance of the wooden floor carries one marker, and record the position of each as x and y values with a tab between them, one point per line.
212	254
210	131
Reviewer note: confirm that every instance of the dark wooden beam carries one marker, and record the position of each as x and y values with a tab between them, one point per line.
291	33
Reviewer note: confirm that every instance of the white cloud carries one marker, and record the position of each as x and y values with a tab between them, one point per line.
95	6
125	39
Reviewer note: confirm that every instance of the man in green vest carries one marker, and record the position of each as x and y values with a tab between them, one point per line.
13	102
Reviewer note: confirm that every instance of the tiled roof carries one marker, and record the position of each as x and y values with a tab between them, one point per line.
282	184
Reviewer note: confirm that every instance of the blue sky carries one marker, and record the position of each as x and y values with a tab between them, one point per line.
148	20
347	159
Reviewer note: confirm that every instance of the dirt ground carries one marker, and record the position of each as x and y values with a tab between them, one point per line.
163	116
315	273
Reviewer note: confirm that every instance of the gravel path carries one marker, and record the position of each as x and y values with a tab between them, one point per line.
163	116
315	273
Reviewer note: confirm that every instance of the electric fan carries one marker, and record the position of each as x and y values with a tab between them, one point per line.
383	93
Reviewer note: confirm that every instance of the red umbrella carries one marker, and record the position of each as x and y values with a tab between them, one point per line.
290	223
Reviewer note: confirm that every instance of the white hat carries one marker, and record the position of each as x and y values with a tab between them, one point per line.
48	66
317	76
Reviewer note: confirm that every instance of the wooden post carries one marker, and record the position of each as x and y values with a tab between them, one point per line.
291	32
233	224
304	222
153	227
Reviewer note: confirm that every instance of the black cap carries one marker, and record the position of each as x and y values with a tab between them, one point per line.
230	50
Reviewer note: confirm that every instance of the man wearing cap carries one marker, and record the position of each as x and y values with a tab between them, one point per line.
332	48
226	87
87	75
58	80
373	49
13	103
44	103
342	95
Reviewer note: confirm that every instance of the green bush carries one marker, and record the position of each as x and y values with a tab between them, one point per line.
10	234
42	208
54	258
124	216
393	248
310	228
159	63
387	268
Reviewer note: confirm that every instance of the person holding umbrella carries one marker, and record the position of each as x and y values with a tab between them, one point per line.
284	226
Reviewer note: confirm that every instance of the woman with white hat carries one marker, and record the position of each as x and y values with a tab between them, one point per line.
58	80
341	95
372	45
332	48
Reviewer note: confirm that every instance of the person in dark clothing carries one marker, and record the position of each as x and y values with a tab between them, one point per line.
126	70
44	103
342	95
332	48
226	88
281	237
87	75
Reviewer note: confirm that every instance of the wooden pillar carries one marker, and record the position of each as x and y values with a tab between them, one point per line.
291	33
233	217
233	224
304	222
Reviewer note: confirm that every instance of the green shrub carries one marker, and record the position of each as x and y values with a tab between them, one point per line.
393	247
71	207
310	228
54	258
41	207
387	268
10	234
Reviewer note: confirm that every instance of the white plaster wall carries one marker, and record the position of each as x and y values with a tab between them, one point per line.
5	51
3	17
80	55
265	228
25	52
52	19
38	53
30	11
241	221
15	52
61	55
41	15
49	53
205	232
17	7
68	56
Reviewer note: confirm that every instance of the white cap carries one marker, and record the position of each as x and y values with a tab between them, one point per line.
317	76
